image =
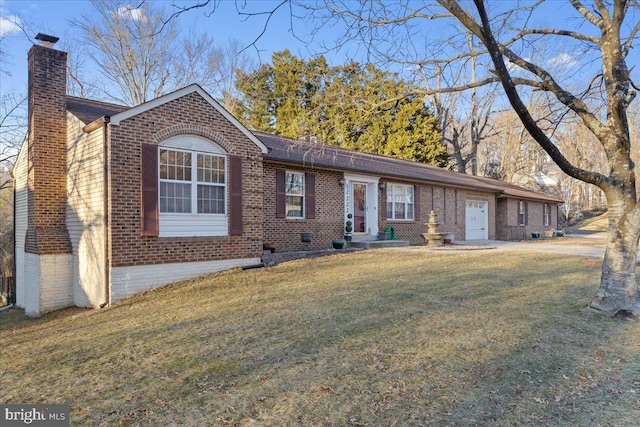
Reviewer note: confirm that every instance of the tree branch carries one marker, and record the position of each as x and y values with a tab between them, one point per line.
598	22
269	15
572	34
627	45
496	51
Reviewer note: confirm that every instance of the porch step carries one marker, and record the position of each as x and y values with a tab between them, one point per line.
374	244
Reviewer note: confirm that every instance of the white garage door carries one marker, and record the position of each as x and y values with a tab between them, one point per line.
476	221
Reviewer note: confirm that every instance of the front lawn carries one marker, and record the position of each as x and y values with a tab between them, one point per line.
373	338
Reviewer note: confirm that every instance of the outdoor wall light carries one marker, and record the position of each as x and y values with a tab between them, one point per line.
341	182
381	184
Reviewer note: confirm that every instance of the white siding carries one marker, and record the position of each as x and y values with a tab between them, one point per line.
187	225
127	281
48	277
21	207
85	212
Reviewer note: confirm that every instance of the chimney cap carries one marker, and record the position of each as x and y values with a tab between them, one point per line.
45	38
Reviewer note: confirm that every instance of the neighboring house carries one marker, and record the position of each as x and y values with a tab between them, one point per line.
112	200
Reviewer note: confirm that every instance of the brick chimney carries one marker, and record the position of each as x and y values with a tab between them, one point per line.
47	138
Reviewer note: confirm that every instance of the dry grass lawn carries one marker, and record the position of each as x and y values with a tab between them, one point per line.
374	338
596	223
592	242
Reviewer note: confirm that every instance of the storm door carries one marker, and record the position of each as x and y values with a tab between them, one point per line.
359	207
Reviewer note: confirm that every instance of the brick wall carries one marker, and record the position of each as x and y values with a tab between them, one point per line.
507	219
535	216
190	114
449	205
47	138
502	219
284	233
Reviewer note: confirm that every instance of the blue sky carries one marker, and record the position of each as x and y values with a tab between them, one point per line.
53	16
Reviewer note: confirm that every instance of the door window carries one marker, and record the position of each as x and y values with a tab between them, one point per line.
359	208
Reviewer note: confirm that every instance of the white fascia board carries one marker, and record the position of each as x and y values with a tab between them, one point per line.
117	118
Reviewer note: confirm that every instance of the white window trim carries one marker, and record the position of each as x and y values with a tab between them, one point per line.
303	196
523	212
194	224
194	182
546	214
413	205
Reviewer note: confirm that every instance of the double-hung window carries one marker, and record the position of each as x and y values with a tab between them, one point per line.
191	182
400	202
294	193
522	212
193	177
547	214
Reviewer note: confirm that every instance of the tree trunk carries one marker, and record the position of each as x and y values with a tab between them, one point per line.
619	293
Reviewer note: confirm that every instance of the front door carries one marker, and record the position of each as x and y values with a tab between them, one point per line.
359	208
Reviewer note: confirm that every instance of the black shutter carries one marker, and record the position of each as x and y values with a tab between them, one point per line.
235	194
310	195
149	187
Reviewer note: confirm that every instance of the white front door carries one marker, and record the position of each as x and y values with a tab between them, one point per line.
476	220
361	201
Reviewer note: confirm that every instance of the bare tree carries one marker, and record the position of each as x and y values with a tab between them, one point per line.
506	156
507	34
583	149
234	59
465	120
6	224
13	24
13	127
143	55
634	128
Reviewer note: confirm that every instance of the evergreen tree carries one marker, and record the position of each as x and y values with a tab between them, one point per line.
356	107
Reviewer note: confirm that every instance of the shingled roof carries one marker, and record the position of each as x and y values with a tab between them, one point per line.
323	156
88	110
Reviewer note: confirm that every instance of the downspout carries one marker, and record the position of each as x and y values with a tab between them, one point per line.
107	276
495	217
14	263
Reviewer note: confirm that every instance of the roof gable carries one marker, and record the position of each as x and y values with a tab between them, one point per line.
138	109
89	111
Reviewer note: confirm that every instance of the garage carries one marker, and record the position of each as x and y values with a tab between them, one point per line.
476	220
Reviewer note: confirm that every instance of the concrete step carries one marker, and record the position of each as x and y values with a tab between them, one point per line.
374	244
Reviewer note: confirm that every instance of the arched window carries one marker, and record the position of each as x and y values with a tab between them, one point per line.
192	187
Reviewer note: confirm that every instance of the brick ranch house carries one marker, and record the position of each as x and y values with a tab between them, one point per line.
111	200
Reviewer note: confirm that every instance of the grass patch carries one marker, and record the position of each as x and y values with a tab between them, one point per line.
373	338
593	224
590	242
